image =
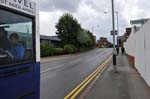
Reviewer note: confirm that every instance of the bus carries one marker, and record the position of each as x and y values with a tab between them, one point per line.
19	50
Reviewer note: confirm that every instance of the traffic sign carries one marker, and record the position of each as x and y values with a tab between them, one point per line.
116	32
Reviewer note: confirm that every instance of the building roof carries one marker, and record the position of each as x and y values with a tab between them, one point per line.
54	38
138	21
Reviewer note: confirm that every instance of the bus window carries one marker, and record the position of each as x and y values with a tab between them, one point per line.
16	38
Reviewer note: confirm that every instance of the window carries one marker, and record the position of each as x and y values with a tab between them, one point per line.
16	38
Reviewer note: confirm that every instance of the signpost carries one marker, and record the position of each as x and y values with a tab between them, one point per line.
114	33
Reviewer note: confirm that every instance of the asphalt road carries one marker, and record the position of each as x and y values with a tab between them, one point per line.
59	77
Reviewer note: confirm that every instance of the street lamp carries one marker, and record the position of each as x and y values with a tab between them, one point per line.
117	21
117	18
113	26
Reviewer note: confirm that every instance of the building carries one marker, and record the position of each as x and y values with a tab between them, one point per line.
94	38
54	40
103	42
123	38
137	24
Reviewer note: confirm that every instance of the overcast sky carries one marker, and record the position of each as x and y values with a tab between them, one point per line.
90	13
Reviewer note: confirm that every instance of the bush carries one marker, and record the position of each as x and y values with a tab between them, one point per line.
46	49
82	49
69	49
59	51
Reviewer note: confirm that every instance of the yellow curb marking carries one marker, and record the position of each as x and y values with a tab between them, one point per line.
84	83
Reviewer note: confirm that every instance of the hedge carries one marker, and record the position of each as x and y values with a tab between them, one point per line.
70	49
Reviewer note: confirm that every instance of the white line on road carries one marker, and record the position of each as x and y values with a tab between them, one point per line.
59	66
75	61
52	68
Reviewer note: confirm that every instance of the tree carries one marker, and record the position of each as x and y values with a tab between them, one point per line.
85	38
91	37
67	29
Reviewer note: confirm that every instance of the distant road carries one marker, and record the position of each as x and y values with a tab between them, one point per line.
59	77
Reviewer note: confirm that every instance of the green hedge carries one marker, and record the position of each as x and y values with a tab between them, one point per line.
59	51
70	49
47	49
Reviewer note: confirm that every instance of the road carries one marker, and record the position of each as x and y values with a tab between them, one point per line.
59	77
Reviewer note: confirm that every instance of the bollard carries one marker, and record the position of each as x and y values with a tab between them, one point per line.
114	59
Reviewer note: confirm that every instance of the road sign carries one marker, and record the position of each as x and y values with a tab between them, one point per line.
116	32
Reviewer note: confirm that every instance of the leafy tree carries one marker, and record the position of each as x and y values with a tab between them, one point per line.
85	38
67	29
91	37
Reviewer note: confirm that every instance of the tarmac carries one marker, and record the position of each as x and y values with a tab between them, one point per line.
126	84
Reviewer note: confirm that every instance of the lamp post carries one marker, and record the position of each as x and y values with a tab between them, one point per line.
117	23
117	17
113	26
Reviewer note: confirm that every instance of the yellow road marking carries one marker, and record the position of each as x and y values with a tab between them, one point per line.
80	85
83	84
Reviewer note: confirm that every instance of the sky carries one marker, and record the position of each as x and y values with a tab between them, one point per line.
90	14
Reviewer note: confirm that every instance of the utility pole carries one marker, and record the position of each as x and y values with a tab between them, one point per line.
114	49
117	23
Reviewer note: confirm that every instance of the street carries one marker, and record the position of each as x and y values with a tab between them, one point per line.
59	77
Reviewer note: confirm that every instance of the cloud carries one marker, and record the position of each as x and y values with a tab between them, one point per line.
134	9
90	13
92	17
61	5
99	5
48	22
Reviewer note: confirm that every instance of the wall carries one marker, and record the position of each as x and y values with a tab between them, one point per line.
138	46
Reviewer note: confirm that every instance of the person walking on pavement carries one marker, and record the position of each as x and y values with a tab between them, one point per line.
117	49
122	50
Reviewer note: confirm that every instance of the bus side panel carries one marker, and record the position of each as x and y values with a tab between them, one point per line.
20	82
37	80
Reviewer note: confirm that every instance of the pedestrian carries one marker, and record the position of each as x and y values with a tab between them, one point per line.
117	49
123	50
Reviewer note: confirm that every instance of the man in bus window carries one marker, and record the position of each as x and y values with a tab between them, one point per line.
17	49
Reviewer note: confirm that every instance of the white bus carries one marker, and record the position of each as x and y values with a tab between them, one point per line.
19	50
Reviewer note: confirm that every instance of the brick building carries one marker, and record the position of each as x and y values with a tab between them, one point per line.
103	42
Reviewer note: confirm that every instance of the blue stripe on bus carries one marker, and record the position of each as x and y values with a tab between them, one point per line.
20	82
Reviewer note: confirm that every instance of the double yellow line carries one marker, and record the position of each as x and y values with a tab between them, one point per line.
73	94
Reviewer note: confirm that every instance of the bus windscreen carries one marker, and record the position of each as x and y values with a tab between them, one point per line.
16	38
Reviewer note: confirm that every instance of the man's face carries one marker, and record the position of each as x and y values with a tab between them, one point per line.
13	40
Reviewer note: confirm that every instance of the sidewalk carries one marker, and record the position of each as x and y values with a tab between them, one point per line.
126	84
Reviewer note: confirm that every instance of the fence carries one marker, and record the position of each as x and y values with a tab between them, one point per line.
138	46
